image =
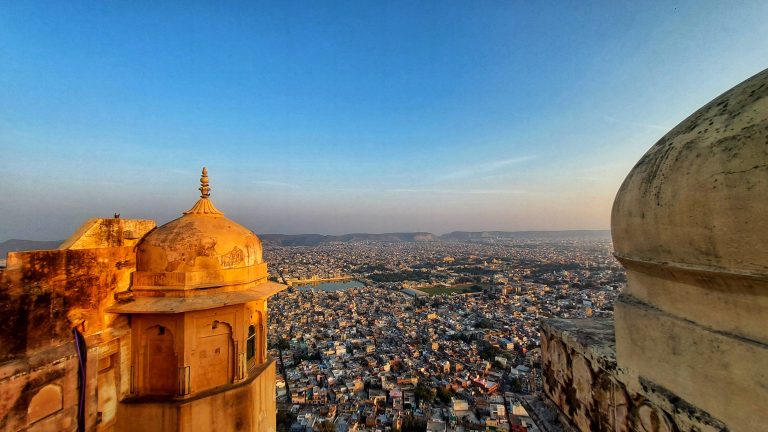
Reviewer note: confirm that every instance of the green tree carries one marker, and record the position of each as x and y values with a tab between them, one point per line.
424	393
444	395
489	352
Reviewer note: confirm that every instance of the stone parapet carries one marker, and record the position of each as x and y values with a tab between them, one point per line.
106	233
582	379
247	406
719	372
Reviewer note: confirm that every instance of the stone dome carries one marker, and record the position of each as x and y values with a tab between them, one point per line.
698	198
198	243
200	249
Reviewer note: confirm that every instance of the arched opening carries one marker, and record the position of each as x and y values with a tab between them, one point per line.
159	362
215	356
260	340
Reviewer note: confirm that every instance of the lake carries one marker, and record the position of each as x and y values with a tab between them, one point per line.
330	286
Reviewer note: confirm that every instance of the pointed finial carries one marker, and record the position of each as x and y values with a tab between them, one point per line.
204	206
205	189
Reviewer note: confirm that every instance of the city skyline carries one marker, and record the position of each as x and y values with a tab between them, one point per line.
339	118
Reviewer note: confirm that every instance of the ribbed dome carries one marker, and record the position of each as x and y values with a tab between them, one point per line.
698	198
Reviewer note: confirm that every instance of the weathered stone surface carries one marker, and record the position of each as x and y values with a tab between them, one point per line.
105	233
46	293
651	419
199	243
688	224
697	197
592	337
45	402
599	398
723	376
19	408
739	301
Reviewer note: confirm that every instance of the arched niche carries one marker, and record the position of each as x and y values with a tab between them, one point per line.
45	402
260	342
159	362
213	364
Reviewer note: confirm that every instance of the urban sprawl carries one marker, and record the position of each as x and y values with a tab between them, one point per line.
425	336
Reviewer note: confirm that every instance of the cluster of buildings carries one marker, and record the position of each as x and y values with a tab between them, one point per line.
379	357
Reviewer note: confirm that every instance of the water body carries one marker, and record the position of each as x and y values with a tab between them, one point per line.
330	286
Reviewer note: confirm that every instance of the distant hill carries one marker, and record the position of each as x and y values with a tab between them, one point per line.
316	239
570	234
14	245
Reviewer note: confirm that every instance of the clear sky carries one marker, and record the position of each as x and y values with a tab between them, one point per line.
360	116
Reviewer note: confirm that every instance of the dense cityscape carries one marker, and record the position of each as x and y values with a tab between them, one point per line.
384	216
432	335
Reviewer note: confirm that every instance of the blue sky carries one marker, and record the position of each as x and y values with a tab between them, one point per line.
335	117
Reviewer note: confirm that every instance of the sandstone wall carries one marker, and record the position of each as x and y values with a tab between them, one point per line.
582	380
105	233
43	295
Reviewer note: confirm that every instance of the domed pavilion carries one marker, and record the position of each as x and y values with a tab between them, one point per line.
198	317
132	327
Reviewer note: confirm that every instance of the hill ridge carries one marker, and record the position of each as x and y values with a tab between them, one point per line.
393	237
316	239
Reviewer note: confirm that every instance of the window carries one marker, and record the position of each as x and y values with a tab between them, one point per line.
251	346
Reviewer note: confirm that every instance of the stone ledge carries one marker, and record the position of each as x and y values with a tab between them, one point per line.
253	375
592	338
248	406
589	392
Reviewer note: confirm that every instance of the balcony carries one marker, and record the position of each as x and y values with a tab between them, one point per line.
248	405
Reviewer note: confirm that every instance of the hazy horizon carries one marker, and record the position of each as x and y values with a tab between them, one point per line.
341	234
338	117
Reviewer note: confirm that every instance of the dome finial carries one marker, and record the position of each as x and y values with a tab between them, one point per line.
205	189
204	204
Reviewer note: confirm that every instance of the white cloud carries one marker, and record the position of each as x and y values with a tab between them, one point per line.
483	168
